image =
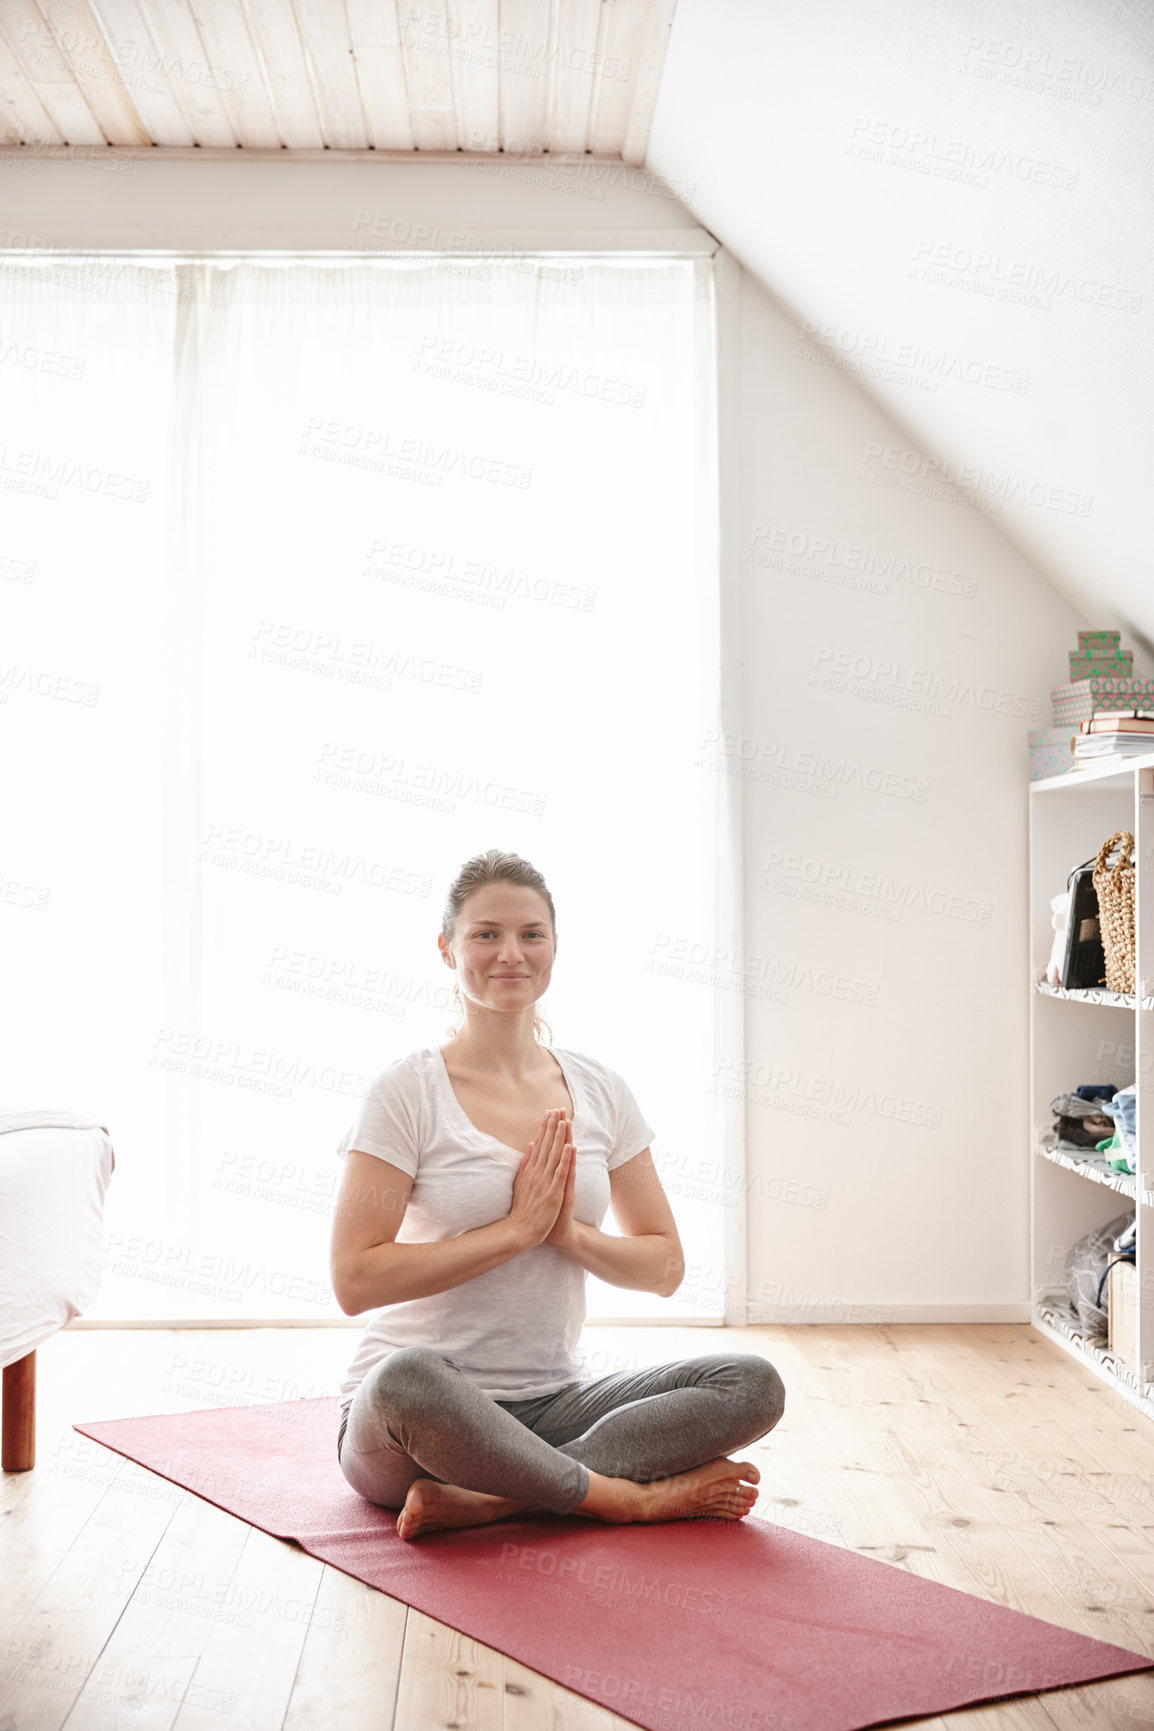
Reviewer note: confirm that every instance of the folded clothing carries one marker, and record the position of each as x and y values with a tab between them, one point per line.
1123	1111
1110	1152
1082	1123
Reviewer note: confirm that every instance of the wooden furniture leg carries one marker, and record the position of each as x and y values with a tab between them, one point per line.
18	1416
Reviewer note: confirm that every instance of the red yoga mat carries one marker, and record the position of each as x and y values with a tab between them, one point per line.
680	1626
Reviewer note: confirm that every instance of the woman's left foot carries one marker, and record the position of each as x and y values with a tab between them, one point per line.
431	1506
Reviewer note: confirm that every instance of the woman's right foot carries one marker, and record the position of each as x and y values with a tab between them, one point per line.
720	1489
431	1506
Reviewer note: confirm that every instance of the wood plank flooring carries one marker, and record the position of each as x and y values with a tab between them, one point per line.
982	1457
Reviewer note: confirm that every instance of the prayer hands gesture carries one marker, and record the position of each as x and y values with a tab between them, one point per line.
543	1188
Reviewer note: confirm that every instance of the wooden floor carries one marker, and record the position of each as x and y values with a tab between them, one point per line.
981	1457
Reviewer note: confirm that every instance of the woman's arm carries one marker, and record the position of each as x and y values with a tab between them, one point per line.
649	1257
369	1269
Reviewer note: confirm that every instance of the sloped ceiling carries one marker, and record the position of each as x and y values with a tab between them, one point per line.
956	198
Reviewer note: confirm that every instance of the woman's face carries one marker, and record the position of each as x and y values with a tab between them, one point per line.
503	946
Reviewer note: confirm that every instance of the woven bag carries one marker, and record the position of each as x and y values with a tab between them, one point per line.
1114	887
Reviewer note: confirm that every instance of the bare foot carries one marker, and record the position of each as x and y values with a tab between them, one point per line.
717	1490
720	1489
431	1506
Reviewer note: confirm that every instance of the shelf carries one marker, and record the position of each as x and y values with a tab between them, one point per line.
1126	1183
1099	773
1092	995
1057	1317
1068	821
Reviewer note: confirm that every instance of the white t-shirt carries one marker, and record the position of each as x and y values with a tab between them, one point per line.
514	1330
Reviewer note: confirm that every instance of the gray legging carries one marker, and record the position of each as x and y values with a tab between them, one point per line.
417	1415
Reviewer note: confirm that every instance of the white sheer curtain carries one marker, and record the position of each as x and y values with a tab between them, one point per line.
319	579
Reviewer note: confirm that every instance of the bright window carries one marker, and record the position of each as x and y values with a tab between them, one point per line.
319	579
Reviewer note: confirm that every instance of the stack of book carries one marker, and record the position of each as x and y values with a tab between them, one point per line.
1114	734
1101	684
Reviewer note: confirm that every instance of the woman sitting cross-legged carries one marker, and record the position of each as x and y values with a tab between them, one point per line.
476	1179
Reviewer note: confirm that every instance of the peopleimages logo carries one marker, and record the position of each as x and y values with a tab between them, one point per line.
451	358
840	885
377	448
920	574
759	1082
38	471
972	478
1037	67
867	351
875	677
627	1693
952	158
991	273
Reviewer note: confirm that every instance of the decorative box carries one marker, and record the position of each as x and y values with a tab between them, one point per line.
1098	654
1051	751
1078	701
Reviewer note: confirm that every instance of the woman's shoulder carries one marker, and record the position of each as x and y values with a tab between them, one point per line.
594	1070
405	1074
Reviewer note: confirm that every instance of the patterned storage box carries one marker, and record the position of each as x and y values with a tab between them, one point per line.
1050	751
1098	654
1078	701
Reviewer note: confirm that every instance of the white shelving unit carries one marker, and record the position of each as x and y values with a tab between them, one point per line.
1090	1036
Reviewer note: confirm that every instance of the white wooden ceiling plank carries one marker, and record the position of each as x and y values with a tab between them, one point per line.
327	42
613	97
273	28
576	67
233	56
652	47
140	65
384	97
85	50
426	42
186	70
375	34
476	72
23	117
35	49
527	42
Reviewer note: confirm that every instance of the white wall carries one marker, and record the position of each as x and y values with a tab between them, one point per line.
887	1072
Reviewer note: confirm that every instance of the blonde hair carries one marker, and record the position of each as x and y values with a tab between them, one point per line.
491	868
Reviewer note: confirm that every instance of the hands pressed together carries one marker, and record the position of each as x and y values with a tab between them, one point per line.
543	1188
